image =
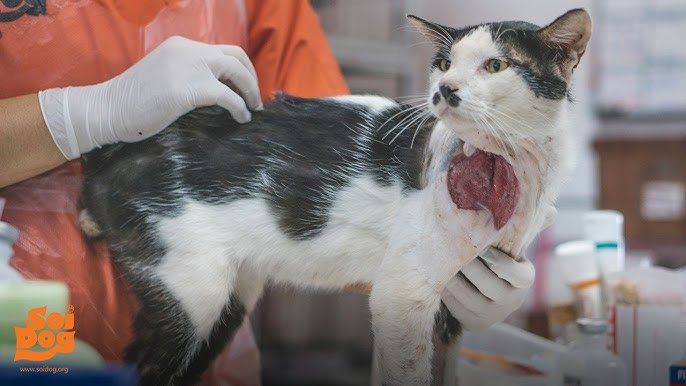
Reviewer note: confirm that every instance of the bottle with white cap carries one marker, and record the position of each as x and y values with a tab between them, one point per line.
605	228
589	362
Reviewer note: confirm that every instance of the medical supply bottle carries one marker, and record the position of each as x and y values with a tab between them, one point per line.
589	362
8	235
18	296
605	229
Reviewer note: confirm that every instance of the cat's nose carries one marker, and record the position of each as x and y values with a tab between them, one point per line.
450	95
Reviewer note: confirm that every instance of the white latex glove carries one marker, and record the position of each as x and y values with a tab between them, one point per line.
170	81
488	289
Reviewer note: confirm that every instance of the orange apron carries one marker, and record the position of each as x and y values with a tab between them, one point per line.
78	42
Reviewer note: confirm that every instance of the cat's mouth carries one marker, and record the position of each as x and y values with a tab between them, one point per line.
478	179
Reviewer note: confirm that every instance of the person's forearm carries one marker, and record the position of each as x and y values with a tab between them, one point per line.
40	132
26	146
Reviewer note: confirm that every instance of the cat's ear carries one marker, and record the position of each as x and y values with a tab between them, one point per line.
439	35
570	34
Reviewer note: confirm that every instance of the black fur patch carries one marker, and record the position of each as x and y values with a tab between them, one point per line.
447	328
223	331
292	154
539	61
165	349
538	65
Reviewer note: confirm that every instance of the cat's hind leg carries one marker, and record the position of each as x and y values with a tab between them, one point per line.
167	348
190	310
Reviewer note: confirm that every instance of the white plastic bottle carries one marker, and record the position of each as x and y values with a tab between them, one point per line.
605	228
8	235
17	296
589	362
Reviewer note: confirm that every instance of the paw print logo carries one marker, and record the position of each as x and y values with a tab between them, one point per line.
11	10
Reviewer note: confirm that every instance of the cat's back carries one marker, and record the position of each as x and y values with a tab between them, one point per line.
296	155
207	152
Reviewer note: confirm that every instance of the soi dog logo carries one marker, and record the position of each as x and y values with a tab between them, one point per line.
45	336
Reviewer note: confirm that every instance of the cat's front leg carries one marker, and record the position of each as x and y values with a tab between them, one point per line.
404	306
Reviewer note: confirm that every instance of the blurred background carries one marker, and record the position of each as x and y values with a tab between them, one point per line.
630	126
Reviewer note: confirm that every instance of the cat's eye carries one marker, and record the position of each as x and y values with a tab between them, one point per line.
496	65
443	64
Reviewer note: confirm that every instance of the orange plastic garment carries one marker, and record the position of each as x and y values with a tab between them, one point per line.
81	42
290	51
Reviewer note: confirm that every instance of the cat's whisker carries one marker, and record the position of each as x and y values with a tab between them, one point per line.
405	97
443	36
415	101
448	37
500	141
442	40
542	162
499	135
411	115
410	108
413	95
501	128
497	33
414	120
515	120
419	43
503	32
544	120
419	127
533	110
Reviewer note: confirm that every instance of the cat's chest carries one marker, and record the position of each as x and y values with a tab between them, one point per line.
481	199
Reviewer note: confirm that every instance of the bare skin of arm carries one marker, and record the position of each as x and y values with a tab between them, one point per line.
26	147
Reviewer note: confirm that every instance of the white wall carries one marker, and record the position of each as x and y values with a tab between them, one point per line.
580	191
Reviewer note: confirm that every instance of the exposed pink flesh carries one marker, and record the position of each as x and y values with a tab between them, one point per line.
484	180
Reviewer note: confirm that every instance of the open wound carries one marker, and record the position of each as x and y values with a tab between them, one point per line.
484	180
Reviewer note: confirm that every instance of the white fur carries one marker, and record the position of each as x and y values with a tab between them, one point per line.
208	243
500	114
409	245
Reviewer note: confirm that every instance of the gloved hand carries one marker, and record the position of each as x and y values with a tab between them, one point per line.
170	81
488	289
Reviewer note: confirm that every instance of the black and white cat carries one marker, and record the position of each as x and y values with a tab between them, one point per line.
321	193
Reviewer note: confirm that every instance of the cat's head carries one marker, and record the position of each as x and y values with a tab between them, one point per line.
508	78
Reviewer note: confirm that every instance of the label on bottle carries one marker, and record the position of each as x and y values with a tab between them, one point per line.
677	374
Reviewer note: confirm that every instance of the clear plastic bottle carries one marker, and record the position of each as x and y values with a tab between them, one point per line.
589	362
